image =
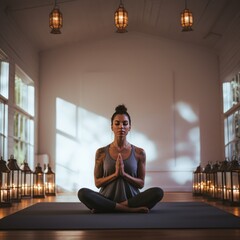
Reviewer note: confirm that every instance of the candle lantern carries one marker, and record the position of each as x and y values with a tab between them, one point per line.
27	180
236	186
214	181
197	181
49	182
15	179
5	200
206	179
38	182
231	195
221	179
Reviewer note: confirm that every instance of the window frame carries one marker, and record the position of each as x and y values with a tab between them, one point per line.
23	129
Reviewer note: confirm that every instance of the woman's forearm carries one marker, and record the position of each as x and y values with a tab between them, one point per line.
100	182
137	182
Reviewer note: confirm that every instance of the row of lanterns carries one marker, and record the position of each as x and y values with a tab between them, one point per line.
219	181
120	17
17	183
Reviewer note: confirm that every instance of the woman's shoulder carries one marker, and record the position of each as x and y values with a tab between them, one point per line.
101	152
138	150
101	149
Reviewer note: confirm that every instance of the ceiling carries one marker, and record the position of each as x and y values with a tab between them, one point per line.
83	20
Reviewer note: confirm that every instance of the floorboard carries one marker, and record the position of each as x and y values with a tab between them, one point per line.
173	234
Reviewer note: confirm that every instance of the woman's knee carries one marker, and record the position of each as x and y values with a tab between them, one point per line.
158	193
82	194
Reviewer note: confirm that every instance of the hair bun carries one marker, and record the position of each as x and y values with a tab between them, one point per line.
121	109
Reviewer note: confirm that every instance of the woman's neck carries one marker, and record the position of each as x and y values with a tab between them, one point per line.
120	144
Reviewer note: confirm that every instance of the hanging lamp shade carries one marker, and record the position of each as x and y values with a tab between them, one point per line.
186	19
121	19
55	20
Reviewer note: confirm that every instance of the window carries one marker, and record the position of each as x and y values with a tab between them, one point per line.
231	109
3	129
24	118
4	75
24	92
4	82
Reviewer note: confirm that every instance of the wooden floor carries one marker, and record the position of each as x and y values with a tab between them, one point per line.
150	234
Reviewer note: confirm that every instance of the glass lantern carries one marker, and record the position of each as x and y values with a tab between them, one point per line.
206	179
231	195
121	19
214	181
27	180
5	200
221	178
197	181
236	186
49	182
38	182
15	177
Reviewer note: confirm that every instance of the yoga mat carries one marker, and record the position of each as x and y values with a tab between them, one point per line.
75	216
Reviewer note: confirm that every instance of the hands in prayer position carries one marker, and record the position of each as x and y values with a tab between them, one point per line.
119	166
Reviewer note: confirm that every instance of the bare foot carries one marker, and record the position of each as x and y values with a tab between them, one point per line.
139	210
124	208
93	211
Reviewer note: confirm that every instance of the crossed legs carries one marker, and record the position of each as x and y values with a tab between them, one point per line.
142	202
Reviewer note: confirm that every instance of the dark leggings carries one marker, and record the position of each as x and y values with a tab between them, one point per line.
94	200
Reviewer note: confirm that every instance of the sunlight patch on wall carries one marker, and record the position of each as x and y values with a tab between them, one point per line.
79	133
139	139
187	146
66	116
181	172
186	112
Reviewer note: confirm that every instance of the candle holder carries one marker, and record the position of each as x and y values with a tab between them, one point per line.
27	180
49	182
221	178
232	194
5	200
206	180
15	177
38	182
236	187
197	181
214	181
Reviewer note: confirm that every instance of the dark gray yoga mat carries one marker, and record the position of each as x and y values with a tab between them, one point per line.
75	216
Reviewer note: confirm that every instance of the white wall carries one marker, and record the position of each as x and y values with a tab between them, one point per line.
172	93
229	52
23	53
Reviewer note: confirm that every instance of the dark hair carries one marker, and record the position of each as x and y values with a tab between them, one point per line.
121	109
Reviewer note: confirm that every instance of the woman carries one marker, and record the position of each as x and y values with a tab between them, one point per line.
119	173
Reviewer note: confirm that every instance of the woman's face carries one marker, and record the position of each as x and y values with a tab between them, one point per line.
121	125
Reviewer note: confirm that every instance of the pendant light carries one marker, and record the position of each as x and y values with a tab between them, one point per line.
55	20
186	19
121	19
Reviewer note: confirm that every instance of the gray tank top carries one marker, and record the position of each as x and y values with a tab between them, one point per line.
119	190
